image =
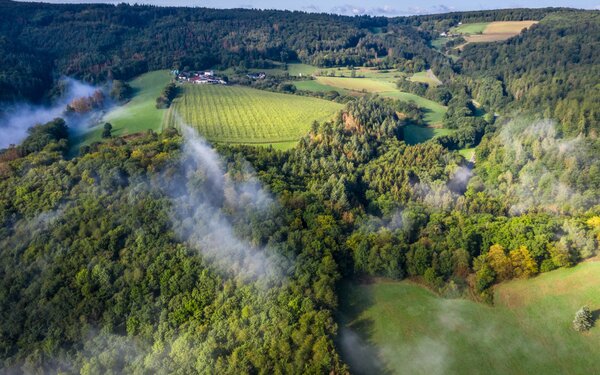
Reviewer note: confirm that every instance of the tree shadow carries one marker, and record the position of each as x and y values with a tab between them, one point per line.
354	339
595	316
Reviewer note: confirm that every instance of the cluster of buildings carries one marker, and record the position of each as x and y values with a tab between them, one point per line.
450	34
206	77
259	75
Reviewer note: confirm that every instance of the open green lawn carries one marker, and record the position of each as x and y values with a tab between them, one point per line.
470	28
403	328
139	114
293	69
316	86
304	69
434	112
358	84
237	114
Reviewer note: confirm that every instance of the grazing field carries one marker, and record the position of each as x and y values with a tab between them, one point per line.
403	328
293	69
470	28
237	114
427	77
315	86
434	112
139	114
358	84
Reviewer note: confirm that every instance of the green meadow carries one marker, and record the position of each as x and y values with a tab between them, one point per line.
139	114
470	28
403	328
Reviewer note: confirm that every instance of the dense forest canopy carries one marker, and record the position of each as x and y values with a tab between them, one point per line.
163	253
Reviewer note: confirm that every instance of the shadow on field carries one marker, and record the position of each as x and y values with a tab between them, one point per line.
595	316
355	332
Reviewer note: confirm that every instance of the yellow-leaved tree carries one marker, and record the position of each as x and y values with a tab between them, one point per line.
500	262
523	263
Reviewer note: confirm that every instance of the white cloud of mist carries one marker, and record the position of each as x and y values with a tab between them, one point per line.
206	204
540	166
440	195
17	118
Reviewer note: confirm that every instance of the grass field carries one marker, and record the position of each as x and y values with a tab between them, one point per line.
293	69
470	28
427	77
236	114
358	84
403	328
139	114
384	84
316	86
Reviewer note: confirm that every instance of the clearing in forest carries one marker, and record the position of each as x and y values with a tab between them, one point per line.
238	114
401	327
426	76
138	114
495	31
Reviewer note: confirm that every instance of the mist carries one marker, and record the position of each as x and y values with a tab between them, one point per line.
546	165
17	118
209	206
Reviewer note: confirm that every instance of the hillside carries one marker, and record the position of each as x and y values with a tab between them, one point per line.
240	191
404	328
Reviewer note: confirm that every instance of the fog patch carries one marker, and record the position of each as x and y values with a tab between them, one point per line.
17	118
541	168
208	202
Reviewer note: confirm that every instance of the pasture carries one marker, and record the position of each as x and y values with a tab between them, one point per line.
358	84
293	69
237	114
470	28
403	328
316	86
139	114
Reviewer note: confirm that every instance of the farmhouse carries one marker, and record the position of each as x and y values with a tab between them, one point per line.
205	77
259	75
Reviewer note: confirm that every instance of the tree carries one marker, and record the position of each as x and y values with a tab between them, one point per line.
583	319
107	131
523	263
499	262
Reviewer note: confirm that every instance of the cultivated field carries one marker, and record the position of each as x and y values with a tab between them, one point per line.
237	114
403	328
495	31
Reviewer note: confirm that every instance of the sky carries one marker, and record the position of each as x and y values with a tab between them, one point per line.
358	7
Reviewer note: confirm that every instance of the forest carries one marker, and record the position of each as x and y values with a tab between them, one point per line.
163	253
